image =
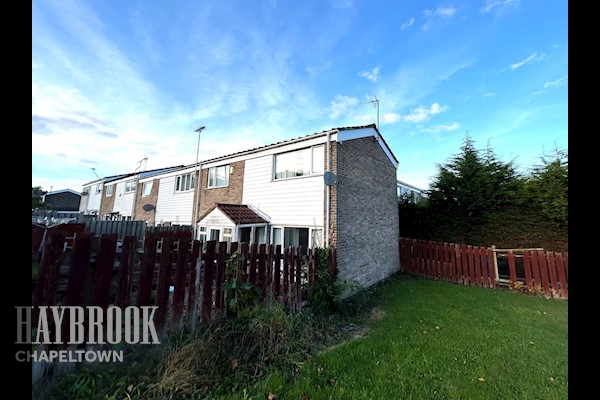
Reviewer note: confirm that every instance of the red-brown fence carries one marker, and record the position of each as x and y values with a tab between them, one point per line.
532	271
164	274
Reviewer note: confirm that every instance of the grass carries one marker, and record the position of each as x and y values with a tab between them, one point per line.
416	339
436	340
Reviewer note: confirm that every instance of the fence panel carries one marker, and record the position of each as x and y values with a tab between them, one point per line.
477	265
164	281
512	269
554	287
125	274
207	281
543	272
527	268
491	268
561	275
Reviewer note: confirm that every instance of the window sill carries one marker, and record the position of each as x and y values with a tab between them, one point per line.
216	187
297	177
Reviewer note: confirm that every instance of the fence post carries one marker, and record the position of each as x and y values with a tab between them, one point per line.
195	279
496	276
164	280
207	280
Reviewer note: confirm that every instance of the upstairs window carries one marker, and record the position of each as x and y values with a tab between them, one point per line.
98	188
303	162
146	188
109	190
218	176
184	183
130	186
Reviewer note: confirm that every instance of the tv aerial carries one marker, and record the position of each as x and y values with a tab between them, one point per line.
375	103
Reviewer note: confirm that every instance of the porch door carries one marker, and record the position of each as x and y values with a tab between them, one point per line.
215	234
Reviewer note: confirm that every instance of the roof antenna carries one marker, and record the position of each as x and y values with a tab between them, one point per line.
376	105
94	171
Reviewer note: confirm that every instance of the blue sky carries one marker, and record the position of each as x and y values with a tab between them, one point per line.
114	82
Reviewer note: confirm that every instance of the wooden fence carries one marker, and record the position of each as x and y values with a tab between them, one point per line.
99	273
121	228
532	271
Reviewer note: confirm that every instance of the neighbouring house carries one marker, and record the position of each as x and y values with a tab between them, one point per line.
413	193
332	188
66	200
123	197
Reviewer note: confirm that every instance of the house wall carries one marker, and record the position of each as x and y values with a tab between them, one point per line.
332	198
231	194
108	202
171	206
140	213
367	229
288	202
123	202
93	199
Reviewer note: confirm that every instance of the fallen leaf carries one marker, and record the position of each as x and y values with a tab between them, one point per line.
551	379
331	380
437	327
129	388
271	396
481	379
425	332
234	363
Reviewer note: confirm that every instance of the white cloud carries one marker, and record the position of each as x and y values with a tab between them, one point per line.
551	85
372	75
498	6
533	57
390	118
421	114
407	24
557	83
442	128
442	12
341	105
445	12
489	94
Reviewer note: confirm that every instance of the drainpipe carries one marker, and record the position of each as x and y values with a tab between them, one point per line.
137	182
198	178
328	193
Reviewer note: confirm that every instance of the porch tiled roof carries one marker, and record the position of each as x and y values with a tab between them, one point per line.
240	214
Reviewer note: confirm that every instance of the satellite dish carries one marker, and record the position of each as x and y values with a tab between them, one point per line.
330	178
148	207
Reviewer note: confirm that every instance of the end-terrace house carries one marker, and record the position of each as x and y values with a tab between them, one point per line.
278	194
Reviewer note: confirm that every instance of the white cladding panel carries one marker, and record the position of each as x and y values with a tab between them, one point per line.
123	201
289	202
93	202
176	208
216	218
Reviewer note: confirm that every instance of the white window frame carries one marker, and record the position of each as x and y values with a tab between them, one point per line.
185	182
202	233
130	186
310	152
98	188
144	185
109	190
213	172
312	232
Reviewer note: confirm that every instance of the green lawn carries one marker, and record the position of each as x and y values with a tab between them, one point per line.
436	340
